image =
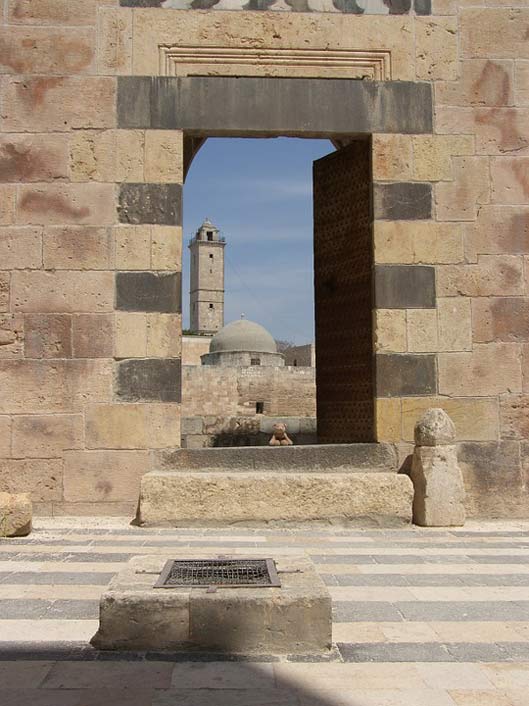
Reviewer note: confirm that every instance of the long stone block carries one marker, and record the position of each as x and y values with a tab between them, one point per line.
328	458
180	499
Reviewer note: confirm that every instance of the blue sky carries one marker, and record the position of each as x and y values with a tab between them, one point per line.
259	193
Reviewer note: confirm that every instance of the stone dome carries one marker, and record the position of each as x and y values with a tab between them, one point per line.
243	335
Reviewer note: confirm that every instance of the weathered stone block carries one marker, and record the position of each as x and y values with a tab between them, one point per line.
92	336
164	336
525	367
421	330
50	204
5	436
436	48
498	230
150	203
459	200
403	375
55	12
510	180
104	477
110	155
164	156
41	478
494	275
497	32
66	291
20	248
180	498
404	287
130	340
115	41
432	155
403	201
133	247
148	291
48	335
15	515
46	436
46	50
8	197
417	242
483	82
455	324
514	417
392	157
5	279
388	419
77	248
494	479
26	157
166	248
493	369
58	103
11	336
521	78
53	385
476	419
500	319
155	379
390	333
132	426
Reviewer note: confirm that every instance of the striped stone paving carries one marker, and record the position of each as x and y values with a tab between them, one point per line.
421	618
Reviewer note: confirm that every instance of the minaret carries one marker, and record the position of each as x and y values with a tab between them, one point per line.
207	279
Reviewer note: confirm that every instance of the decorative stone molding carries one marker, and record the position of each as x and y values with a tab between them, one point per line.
293	63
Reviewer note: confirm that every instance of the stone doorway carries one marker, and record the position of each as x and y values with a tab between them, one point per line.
216	398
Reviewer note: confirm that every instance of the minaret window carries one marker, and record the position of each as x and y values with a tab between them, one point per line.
210	235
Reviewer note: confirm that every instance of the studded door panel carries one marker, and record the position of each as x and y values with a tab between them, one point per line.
343	280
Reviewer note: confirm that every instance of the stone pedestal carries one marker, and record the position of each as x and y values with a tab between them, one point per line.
293	619
439	493
15	514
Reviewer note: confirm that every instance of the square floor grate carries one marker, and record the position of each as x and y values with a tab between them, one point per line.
228	573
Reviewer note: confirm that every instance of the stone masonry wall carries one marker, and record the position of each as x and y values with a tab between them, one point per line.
91	167
233	392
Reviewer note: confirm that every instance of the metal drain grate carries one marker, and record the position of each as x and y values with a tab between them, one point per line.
228	573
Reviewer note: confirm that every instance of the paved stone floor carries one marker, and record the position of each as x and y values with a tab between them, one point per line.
421	618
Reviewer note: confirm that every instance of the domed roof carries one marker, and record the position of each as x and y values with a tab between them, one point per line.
243	335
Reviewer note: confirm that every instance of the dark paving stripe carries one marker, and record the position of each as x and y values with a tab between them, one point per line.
56	578
37	541
434	652
31	609
499	533
428	611
365	611
426	579
87	557
501	559
393	559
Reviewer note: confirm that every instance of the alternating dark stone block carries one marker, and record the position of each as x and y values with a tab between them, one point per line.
404	287
229	105
403	201
159	204
149	379
134	101
149	291
422	7
406	374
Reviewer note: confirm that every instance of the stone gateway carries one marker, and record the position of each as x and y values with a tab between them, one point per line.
421	222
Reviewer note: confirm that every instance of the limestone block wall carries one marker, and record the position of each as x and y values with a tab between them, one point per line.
233	392
193	347
92	149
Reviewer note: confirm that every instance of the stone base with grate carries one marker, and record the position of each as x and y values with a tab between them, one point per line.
140	611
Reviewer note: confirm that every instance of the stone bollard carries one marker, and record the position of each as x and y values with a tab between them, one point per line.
439	498
15	514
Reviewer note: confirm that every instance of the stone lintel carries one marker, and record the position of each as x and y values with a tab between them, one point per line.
216	105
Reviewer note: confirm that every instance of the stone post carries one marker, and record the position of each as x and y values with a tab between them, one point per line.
15	514
439	499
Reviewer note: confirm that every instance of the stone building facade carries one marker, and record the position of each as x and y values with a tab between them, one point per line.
103	106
